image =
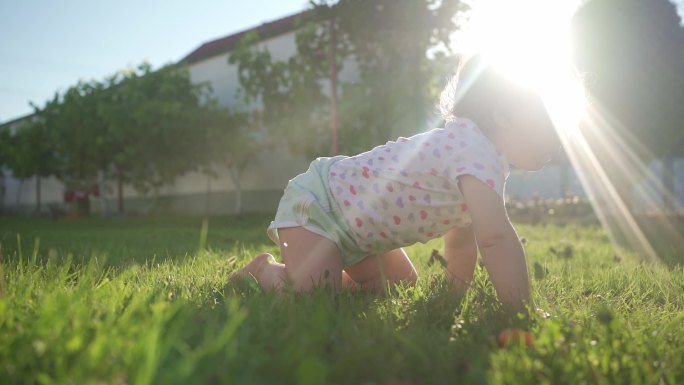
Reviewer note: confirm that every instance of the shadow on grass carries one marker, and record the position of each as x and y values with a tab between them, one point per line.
418	335
123	241
666	236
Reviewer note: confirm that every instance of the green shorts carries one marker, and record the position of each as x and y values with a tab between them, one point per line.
307	202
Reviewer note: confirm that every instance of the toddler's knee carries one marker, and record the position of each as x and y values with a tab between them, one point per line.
412	279
309	280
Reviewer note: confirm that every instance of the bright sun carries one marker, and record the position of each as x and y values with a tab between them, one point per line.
529	40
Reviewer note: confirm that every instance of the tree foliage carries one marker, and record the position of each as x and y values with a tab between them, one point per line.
155	126
385	42
285	96
395	92
140	127
145	128
75	129
29	154
233	141
634	53
5	138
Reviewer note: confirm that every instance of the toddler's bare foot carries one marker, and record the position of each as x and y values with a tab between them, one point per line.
253	268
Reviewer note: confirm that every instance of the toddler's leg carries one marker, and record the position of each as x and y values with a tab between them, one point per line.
376	271
310	260
269	274
347	282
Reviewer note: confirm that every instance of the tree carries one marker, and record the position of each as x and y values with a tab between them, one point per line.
396	88
5	138
141	127
634	53
74	127
285	96
386	40
234	140
4	148
154	130
30	154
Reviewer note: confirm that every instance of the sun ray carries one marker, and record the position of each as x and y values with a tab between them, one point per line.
530	41
608	205
620	161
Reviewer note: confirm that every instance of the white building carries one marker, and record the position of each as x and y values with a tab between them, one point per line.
263	181
195	193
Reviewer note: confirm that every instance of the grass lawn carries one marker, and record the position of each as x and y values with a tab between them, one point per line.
146	301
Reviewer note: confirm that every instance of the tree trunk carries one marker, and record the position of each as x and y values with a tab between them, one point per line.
668	185
2	191
154	200
38	205
333	89
235	174
119	189
103	195
206	199
21	187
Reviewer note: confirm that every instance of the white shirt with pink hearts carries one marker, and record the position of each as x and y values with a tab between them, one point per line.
407	191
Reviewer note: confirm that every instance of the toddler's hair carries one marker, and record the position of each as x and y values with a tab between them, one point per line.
477	91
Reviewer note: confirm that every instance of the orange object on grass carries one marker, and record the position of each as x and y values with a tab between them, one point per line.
513	336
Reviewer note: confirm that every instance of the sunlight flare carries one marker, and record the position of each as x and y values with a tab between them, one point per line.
530	41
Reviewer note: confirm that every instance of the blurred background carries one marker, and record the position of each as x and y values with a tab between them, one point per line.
208	107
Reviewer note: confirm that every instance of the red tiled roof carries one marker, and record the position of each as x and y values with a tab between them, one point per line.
9	123
225	44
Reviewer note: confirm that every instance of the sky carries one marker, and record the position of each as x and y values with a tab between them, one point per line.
47	46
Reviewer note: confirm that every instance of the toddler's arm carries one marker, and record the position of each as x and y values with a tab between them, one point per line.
502	253
460	252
